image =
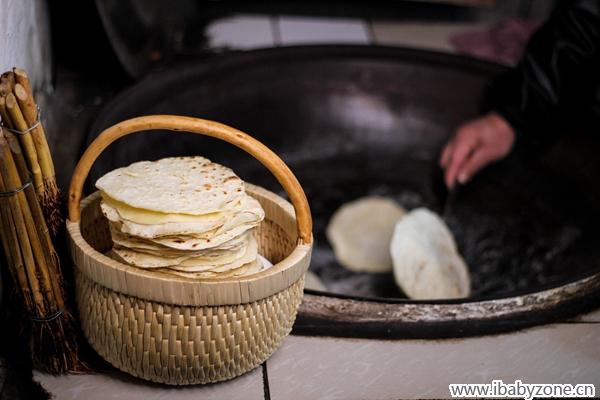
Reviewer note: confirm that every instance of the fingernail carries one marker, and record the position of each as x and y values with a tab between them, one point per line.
463	178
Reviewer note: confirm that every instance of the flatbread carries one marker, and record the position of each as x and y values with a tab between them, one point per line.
192	243
183	216
208	261
177	242
256	266
178	185
246	269
148	217
232	246
192	264
249	211
360	233
427	264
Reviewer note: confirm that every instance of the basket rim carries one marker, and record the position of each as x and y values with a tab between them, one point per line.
173	289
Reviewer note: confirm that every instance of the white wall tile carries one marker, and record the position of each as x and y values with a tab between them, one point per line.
301	30
423	35
241	32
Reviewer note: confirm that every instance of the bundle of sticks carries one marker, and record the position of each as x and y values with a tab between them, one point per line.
27	189
20	113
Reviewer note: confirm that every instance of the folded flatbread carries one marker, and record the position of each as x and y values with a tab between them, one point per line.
427	264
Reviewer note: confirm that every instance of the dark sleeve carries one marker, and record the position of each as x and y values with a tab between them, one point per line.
558	74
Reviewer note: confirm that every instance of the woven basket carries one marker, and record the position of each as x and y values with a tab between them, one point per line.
181	331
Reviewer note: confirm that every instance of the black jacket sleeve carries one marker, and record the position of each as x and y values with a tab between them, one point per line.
558	77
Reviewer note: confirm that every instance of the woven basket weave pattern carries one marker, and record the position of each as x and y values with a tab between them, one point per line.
184	345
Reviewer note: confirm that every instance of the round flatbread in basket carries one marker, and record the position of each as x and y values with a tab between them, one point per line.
185	216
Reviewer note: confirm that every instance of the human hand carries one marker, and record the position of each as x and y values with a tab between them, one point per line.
476	144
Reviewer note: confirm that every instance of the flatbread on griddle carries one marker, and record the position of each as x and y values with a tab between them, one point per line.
360	233
427	264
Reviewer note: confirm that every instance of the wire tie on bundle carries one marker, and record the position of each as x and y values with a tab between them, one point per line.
48	318
10	193
28	130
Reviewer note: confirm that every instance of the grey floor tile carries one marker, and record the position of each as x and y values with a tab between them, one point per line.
423	35
117	385
327	368
304	30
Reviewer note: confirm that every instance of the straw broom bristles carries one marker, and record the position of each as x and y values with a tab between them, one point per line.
33	264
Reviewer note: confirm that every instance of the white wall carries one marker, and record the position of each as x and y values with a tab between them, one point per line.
25	43
25	39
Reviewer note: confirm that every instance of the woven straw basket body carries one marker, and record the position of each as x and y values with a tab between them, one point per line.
180	331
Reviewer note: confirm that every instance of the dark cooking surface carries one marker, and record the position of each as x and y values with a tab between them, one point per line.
511	242
522	228
356	121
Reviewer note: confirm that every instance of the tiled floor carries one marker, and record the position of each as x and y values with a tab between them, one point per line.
330	368
120	386
365	369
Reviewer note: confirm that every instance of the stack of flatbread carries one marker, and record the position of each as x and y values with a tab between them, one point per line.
185	216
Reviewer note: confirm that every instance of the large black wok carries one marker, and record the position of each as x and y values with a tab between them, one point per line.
354	121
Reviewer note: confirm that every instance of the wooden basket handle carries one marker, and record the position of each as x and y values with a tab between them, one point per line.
201	127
